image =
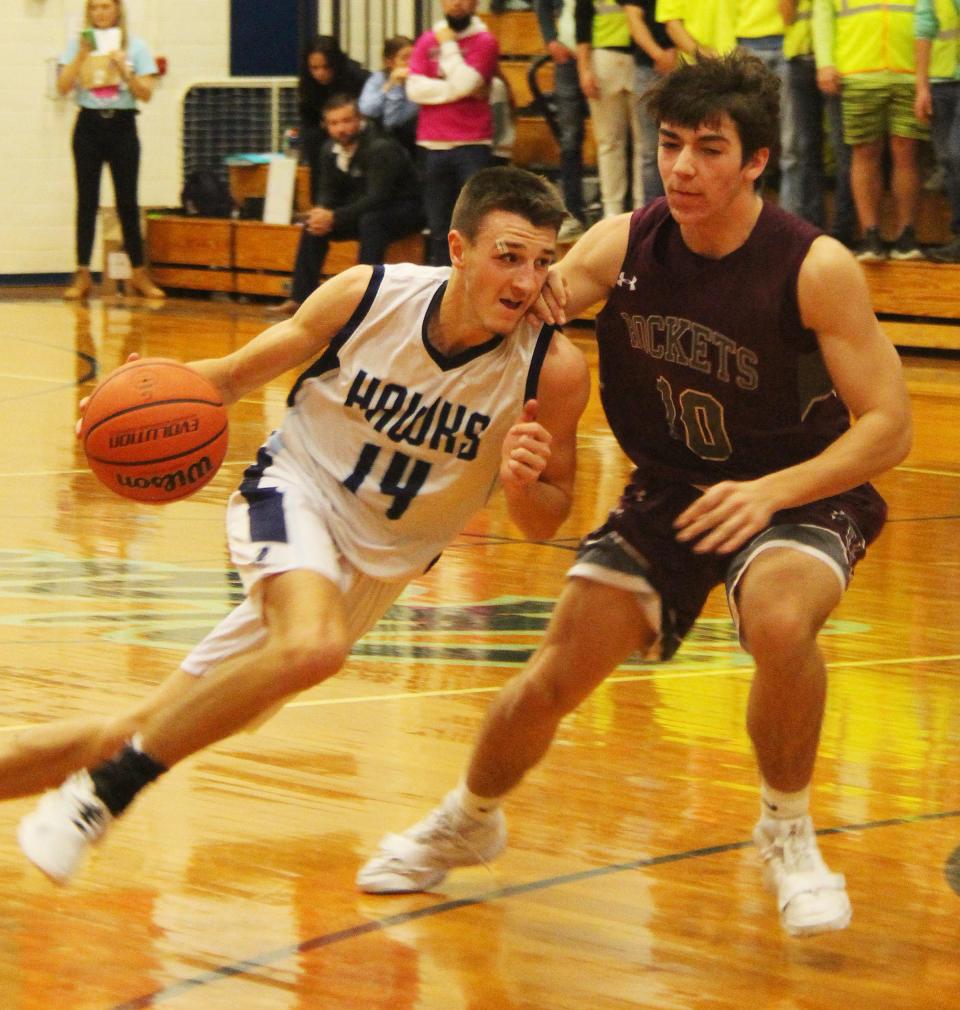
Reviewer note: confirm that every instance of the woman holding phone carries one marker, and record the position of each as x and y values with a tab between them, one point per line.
109	72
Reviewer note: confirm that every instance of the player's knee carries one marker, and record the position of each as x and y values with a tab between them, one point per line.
310	658
779	629
551	694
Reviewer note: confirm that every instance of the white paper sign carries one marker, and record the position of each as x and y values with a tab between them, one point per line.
108	39
281	180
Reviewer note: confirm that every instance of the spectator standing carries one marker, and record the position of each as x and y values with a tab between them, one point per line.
325	71
557	26
606	68
865	53
937	27
384	95
810	105
368	189
451	68
655	55
107	86
760	29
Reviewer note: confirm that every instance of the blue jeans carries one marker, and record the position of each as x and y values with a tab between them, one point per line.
444	173
646	129
571	113
809	105
945	134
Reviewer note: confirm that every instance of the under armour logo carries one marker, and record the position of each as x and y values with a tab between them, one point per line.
623	281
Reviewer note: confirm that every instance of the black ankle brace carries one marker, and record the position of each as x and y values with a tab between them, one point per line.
118	780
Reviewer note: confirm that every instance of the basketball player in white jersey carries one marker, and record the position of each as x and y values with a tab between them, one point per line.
420	389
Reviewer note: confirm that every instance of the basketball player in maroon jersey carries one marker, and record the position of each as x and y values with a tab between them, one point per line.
735	342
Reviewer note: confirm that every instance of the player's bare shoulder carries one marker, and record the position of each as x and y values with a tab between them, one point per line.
564	386
333	303
830	264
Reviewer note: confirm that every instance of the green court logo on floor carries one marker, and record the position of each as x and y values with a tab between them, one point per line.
167	606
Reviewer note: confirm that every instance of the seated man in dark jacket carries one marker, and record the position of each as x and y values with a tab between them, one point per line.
367	189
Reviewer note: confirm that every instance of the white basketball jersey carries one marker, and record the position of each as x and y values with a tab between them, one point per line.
402	442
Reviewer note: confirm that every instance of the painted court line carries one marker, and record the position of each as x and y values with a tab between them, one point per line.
623	679
251	965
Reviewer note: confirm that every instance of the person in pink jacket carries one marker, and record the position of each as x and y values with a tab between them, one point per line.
451	67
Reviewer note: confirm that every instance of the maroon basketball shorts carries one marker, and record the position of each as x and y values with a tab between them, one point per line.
637	549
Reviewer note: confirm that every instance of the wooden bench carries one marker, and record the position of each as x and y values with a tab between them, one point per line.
343	254
915	288
246	257
263	256
195	253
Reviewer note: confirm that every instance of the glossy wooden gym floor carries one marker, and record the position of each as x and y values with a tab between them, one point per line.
629	880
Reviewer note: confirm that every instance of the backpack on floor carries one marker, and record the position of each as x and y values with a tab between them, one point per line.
205	194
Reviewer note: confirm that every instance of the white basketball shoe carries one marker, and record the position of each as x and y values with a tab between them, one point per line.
420	858
810	897
66	822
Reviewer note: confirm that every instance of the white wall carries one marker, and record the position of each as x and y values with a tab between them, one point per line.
36	166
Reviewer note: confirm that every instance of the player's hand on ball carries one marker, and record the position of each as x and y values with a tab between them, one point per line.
526	449
82	405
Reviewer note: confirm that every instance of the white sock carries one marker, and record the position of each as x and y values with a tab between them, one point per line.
780	806
477	807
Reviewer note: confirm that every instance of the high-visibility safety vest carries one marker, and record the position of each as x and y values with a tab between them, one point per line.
710	22
758	18
874	36
610	26
798	38
943	53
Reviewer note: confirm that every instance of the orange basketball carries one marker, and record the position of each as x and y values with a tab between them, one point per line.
155	430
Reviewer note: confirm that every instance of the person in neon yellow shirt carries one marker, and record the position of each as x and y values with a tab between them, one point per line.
865	53
704	26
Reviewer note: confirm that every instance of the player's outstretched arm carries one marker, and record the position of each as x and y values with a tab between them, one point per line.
586	274
539	455
291	342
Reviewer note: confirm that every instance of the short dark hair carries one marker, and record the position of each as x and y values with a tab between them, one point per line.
511	189
394	44
339	101
738	84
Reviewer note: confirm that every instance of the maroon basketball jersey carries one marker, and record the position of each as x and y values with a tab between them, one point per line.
706	370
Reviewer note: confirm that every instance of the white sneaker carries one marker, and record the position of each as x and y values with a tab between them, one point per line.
420	857
67	820
811	898
570	230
